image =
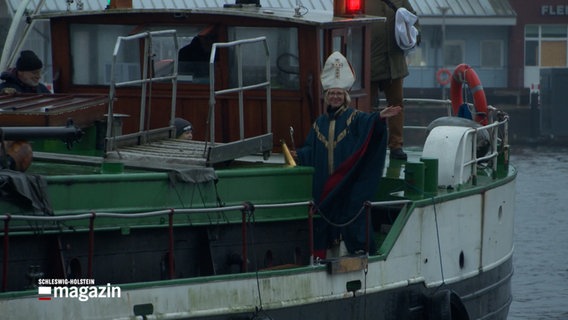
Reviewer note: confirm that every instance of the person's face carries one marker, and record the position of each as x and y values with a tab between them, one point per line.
335	97
30	78
187	135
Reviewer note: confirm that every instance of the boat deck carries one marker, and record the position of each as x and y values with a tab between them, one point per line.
52	109
166	152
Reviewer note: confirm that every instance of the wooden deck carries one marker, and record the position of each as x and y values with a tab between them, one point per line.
51	110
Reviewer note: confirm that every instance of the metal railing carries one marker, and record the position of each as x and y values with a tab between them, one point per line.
145	81
247	209
240	87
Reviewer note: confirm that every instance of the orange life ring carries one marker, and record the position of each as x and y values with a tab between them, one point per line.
465	74
440	79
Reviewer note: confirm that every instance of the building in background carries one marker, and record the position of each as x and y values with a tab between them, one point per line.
538	40
473	32
507	42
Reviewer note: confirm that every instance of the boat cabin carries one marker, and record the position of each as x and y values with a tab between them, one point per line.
260	92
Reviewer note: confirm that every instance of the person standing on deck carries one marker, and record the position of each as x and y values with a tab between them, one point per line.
25	77
389	67
347	149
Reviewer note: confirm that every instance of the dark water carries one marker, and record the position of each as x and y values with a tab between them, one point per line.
540	281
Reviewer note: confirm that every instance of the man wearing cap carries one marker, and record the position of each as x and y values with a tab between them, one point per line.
25	77
347	149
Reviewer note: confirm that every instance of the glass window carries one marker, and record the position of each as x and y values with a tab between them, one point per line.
531	53
531	31
284	59
454	53
38	41
92	48
554	31
349	41
354	54
195	52
553	54
491	53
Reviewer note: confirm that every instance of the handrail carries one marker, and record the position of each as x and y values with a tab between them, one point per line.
491	128
493	152
146	214
245	208
144	81
240	88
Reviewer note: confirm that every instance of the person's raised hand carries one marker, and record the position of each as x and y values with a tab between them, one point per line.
390	111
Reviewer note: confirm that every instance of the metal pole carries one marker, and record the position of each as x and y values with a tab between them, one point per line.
444	10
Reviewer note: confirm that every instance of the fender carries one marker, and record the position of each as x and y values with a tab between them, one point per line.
464	74
446	305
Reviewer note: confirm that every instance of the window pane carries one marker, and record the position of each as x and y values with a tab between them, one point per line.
355	54
454	54
531	31
92	48
553	54
284	62
554	31
531	53
195	43
491	53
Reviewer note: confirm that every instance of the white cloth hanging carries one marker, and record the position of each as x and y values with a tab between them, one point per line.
405	32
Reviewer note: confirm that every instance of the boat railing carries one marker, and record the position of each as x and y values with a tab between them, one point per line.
112	137
498	135
247	210
257	144
497	130
140	144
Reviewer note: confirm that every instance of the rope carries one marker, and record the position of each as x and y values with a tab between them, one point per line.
249	209
340	225
439	248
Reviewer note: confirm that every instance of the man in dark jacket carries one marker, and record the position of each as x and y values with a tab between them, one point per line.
388	67
25	77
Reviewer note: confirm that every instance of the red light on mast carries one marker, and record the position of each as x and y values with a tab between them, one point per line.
348	8
353	6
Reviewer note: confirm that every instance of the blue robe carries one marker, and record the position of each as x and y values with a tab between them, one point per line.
346	173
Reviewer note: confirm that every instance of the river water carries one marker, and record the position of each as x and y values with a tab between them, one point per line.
540	280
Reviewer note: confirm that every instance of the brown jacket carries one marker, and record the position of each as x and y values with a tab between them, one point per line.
387	59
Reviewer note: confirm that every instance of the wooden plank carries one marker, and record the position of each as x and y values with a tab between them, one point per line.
347	264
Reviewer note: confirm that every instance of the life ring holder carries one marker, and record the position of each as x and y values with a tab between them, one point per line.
444	81
464	74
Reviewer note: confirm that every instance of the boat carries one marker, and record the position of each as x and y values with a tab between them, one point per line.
115	218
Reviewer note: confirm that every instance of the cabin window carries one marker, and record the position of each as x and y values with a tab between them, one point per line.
194	51
284	59
349	42
92	49
354	51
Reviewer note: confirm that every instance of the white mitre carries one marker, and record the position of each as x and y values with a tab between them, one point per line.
337	73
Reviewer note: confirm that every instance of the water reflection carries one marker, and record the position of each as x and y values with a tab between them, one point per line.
540	281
